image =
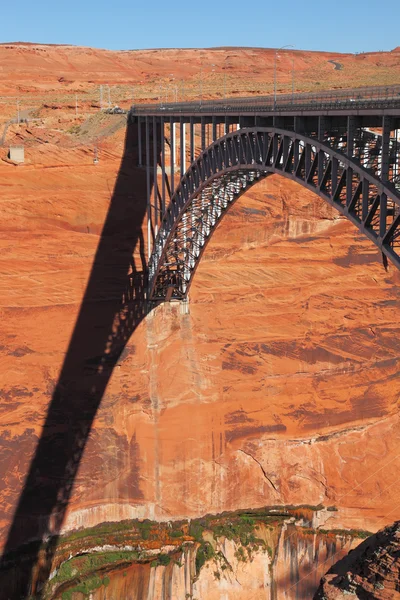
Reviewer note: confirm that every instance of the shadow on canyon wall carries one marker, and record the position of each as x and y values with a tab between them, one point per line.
112	307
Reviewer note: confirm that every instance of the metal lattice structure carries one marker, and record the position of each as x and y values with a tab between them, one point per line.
348	155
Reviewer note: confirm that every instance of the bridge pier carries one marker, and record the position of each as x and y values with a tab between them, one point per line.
139	126
172	155
182	144
155	178
148	191
203	133
163	183
192	139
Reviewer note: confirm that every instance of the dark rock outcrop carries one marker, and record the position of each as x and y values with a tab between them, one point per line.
370	571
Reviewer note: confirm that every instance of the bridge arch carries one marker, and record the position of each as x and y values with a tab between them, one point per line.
236	161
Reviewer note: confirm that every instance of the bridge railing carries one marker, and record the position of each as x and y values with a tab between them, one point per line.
355	98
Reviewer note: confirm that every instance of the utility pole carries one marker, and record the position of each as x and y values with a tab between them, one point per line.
275	61
292	80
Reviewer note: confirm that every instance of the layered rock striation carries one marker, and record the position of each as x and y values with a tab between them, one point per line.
372	570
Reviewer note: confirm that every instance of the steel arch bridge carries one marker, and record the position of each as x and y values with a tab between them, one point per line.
348	158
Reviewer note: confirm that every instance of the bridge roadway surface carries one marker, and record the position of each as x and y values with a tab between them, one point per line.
343	145
358	101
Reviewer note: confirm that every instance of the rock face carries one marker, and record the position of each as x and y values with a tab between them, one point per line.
236	556
254	397
278	384
370	571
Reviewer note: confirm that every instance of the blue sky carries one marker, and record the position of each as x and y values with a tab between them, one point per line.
333	25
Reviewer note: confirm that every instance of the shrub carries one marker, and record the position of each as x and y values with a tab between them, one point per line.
176	533
164	559
204	552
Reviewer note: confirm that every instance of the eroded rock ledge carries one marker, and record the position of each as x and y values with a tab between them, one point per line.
278	549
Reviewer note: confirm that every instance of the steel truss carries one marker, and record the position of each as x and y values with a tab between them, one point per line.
225	169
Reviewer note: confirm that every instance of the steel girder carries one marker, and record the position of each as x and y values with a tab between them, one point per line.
236	161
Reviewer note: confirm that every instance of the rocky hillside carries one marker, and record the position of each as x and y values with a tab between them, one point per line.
370	571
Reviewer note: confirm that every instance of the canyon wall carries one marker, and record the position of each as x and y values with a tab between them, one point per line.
276	384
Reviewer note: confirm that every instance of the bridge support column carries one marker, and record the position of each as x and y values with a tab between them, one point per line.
192	139
351	133
148	191
322	128
386	128
162	167
173	136
396	163
172	151
139	130
182	135
155	186
278	122
298	124
203	134
214	129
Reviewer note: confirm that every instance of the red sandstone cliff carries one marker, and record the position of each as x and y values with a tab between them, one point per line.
278	386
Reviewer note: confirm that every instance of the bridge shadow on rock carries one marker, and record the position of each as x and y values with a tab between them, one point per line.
112	307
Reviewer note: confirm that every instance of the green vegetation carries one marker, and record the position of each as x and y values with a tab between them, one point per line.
176	533
240	529
83	568
145	528
240	554
87	569
204	552
164	559
196	529
355	533
161	559
99	531
86	587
